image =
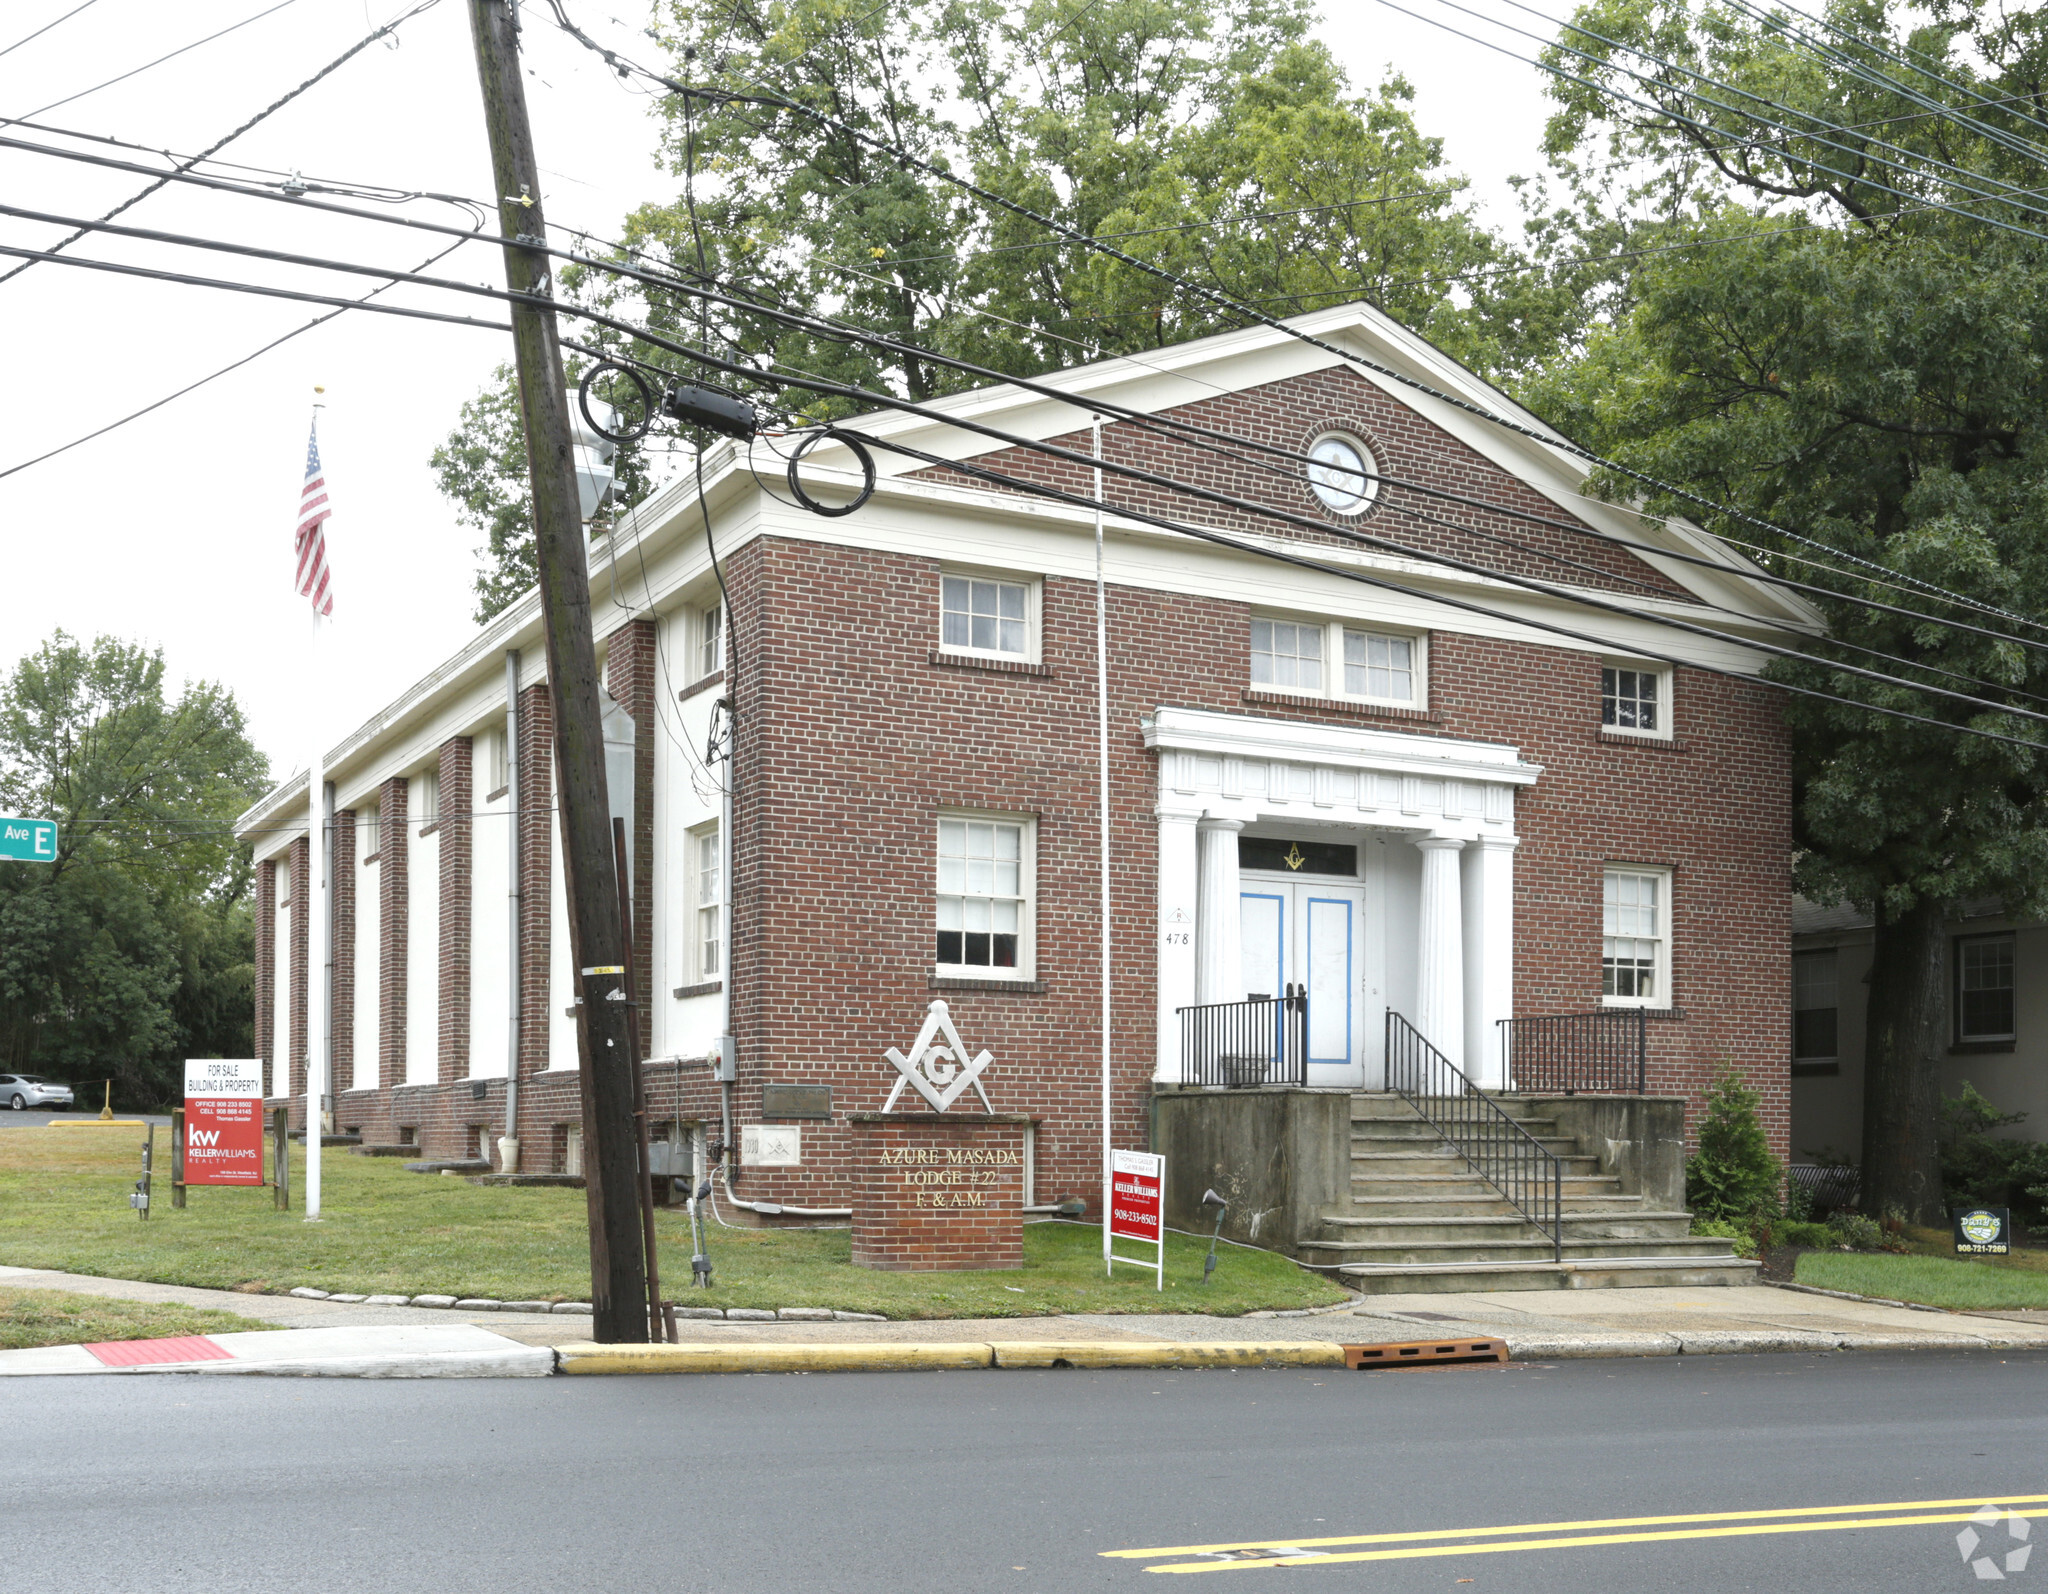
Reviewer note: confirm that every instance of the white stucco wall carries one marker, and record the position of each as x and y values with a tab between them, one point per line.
490	929
423	959
369	947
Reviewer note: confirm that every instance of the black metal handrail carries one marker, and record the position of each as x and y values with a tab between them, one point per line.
1500	1150
1601	1053
1262	1040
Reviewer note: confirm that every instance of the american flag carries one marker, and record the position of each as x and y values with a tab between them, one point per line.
315	580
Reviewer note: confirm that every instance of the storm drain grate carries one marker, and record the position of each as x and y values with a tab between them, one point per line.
1425	1353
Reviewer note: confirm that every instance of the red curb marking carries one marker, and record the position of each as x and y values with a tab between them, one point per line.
149	1352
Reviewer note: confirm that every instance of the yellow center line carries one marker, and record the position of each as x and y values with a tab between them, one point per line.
1432	1551
1975	1502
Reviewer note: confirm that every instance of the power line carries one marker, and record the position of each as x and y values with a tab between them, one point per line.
1214	297
46	27
160	60
135	415
269	110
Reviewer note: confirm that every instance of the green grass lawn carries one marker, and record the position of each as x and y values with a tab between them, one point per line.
63	1204
1960	1285
57	1317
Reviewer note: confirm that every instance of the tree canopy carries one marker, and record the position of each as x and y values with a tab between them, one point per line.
134	949
1822	343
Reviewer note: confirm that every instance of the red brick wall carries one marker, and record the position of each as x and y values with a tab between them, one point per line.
1416	454
341	1033
394	842
456	830
536	852
933	1194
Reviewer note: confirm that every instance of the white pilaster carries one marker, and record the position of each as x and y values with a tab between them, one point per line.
1179	897
1219	964
1440	1004
1489	891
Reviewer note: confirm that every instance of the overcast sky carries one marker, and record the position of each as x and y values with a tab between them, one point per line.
176	529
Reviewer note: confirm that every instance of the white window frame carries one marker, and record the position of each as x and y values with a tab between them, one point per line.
496	770
1027	885
1660	971
707	642
369	831
424	798
702	970
1666	709
1334	634
1034	593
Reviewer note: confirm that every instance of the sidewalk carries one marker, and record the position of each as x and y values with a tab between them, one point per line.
1538	1325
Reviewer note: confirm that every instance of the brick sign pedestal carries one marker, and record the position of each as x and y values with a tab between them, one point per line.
936	1192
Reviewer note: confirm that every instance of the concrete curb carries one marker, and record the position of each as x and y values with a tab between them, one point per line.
957	1356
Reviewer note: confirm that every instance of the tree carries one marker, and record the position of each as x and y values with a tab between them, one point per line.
1213	138
1865	368
135	948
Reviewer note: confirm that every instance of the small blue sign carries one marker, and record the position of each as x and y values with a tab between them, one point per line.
29	840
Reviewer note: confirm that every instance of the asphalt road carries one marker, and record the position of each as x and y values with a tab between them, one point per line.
964	1482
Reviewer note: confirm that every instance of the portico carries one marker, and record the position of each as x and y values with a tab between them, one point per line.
1371	867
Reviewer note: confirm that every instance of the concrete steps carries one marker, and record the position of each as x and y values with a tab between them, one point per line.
1422	1219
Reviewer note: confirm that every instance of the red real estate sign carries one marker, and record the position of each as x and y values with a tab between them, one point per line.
224	1121
1136	1196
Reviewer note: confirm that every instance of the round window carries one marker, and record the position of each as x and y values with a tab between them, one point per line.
1342	474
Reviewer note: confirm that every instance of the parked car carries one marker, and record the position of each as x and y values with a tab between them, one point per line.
23	1091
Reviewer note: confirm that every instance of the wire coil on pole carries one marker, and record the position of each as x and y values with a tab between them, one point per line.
612	432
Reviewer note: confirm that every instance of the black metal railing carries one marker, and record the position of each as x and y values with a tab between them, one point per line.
1500	1150
1563	1054
1262	1040
1828	1187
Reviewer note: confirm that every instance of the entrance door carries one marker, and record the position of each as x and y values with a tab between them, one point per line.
1307	932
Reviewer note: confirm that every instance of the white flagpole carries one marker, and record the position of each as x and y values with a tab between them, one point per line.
317	931
319	924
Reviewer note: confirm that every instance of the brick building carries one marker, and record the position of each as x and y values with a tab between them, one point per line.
1376	795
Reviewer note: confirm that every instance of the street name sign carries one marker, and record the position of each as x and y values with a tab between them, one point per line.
28	840
1137	1201
224	1120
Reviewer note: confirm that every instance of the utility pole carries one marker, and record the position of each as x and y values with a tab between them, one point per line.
618	1289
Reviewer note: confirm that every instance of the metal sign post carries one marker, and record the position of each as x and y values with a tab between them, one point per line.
1137	1210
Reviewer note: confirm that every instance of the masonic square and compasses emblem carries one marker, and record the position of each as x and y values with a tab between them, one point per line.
939	1073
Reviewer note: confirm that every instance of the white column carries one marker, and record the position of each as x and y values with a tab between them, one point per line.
1489	882
1179	895
1219	964
1440	957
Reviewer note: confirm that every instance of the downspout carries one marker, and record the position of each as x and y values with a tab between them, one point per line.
508	1147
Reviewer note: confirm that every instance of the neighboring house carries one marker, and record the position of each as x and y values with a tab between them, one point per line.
1997	1022
1391	802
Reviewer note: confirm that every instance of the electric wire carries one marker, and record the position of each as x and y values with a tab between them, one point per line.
46	27
269	110
160	60
850	333
1214	297
875	399
214	376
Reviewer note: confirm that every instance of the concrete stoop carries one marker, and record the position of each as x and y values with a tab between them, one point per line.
1422	1220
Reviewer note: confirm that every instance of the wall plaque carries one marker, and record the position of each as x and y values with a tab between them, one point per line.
796	1101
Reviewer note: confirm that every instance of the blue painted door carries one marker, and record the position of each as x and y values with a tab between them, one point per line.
1304	932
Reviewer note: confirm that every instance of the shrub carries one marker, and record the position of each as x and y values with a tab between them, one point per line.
1733	1174
1856	1231
1738	1236
1810	1235
1978	1170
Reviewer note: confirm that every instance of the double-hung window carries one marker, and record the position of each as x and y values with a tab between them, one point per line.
426	796
707	894
986	616
707	643
1635	950
1815	1012
1369	666
1635	700
1986	989
984	897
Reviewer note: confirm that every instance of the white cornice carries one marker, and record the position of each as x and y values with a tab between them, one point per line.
1245	736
